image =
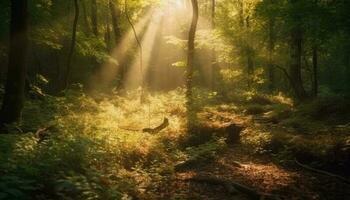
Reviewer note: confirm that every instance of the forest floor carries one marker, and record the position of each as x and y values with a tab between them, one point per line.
82	147
260	172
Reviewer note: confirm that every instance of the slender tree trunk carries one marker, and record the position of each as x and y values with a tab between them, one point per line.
94	17
271	48
346	62
115	15
72	45
250	64
190	61
15	83
315	70
108	34
86	21
249	51
213	53
296	58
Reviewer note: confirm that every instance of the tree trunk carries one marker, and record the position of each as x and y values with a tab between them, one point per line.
271	48
249	51
250	64
86	21
315	70
15	83
108	34
190	61
295	67
94	17
296	56
72	45
213	53
347	67
115	16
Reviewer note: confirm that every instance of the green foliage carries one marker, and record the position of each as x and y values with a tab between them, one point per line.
88	155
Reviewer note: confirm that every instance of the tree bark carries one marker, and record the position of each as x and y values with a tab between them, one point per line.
213	53
249	53
190	60
295	67
271	48
72	45
296	57
94	17
86	21
115	15
107	35
315	70
347	67
15	83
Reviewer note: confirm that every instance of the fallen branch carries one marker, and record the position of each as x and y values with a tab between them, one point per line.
158	128
155	130
322	172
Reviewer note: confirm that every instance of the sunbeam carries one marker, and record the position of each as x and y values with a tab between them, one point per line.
108	72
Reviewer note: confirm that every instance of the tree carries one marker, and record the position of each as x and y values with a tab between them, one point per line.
213	53
94	17
72	45
87	28
190	59
15	84
296	45
271	47
115	15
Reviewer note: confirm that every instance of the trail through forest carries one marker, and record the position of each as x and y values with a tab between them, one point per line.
259	172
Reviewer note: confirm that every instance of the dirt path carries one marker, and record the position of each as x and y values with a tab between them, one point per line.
258	172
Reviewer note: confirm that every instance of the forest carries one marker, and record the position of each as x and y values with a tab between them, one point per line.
174	99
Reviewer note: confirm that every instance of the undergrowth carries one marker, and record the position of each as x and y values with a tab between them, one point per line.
96	149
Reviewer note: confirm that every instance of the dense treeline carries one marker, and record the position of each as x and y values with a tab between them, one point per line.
302	44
